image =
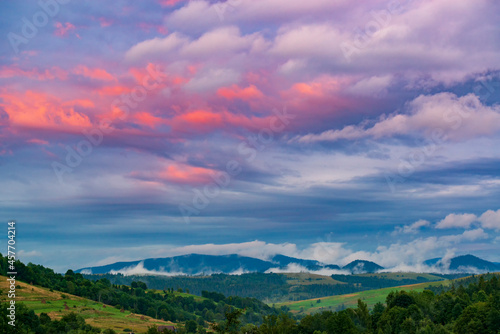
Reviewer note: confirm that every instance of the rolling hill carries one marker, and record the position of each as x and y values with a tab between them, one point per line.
333	303
57	304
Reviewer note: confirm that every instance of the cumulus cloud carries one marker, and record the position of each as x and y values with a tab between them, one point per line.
212	79
308	41
209	15
399	256
156	46
443	116
278	52
220	42
296	268
396	255
415	252
217	44
490	219
372	86
412	228
476	234
33	253
325	252
258	249
399	43
453	220
140	270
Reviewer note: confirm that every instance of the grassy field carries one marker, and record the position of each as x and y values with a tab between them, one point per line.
181	294
308	279
57	304
370	297
402	276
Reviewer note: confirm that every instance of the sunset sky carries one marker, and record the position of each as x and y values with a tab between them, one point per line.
323	129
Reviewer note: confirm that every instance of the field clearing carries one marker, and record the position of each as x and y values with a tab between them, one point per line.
370	297
401	276
176	293
57	304
309	279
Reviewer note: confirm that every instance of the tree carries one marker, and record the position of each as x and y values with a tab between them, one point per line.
341	323
377	312
191	326
473	320
152	330
232	323
363	314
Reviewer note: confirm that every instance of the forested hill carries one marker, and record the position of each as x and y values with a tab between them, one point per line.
169	305
467	309
276	288
470	306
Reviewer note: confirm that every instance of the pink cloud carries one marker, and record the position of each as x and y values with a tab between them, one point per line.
198	120
40	110
235	92
168	3
63	29
38	141
459	118
105	22
47	74
93	73
203	121
148	119
114	90
178	173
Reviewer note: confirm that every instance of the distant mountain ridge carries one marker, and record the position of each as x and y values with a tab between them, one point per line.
198	264
283	260
362	266
465	263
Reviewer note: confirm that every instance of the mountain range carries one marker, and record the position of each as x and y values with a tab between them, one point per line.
199	264
196	264
465	263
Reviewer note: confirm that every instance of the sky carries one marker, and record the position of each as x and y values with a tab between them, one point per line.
323	129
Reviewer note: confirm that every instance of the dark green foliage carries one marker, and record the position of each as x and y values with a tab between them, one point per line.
374	282
28	322
215	296
191	326
470	309
232	323
137	298
470	306
401	299
273	287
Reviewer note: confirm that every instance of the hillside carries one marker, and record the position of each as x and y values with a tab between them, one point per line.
276	287
165	303
340	302
57	304
372	297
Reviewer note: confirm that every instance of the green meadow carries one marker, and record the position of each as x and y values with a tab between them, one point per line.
370	297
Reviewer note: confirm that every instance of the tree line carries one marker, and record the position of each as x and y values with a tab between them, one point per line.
469	309
167	304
